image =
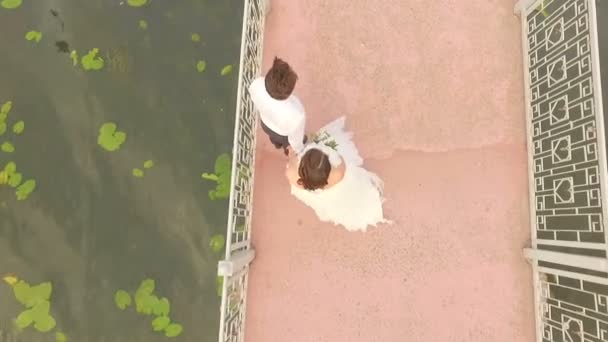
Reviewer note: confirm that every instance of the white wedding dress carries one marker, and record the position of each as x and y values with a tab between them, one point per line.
356	201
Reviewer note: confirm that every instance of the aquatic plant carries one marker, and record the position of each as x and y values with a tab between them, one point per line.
195	37
201	66
91	61
37	302
143	24
18	127
7	147
24	190
33	36
10	4
137	172
221	177
147	303
226	70
9	176
74	57
110	138
217	243
136	3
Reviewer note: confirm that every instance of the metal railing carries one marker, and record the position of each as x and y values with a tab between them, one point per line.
567	169
239	254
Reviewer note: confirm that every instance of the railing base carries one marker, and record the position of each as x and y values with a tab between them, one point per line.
238	261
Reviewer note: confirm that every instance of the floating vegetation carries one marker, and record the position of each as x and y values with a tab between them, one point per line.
37	302
147	303
74	57
60	337
137	3
7	147
217	243
541	8
143	24
195	37
24	190
33	36
226	70
9	176
18	127
201	66
221	177
138	172
109	138
10	4
91	61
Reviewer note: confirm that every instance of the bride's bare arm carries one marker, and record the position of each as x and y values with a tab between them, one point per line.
291	172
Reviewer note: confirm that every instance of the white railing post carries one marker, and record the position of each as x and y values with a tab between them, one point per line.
568	189
234	268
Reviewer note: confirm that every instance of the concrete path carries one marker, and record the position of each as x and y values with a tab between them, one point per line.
433	91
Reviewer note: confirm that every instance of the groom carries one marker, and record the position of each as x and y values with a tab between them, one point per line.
282	114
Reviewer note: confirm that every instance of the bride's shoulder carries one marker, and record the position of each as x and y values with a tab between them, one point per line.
337	174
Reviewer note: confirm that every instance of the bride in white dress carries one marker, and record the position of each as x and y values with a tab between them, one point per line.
328	177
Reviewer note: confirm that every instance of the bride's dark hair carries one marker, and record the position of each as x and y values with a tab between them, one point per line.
314	170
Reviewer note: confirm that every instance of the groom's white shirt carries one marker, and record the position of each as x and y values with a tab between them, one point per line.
285	117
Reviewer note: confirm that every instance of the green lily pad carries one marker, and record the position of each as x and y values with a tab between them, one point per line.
18	127
14	179
10	168
91	61
10	4
143	24
147	286
6	107
173	330
42	292
148	164
109	138
162	308
122	299
41	310
217	243
24	319
226	70
2	128
22	292
195	37
7	147
74	57
137	3
201	66
60	337
45	324
160	323
146	303
25	189
221	176
138	172
33	36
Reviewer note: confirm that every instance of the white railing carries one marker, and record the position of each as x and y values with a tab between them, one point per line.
239	254
567	169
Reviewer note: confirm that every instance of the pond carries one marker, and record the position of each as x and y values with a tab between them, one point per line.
111	114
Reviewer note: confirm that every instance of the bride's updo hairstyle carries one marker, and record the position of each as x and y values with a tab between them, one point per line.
314	169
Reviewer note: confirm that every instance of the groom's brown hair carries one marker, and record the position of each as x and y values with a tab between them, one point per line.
280	80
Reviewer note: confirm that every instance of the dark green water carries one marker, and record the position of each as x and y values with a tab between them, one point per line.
91	227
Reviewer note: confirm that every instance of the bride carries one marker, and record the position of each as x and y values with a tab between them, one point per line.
328	177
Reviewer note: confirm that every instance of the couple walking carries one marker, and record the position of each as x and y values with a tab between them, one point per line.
325	169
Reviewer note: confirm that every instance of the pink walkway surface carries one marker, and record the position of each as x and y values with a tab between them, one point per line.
433	91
